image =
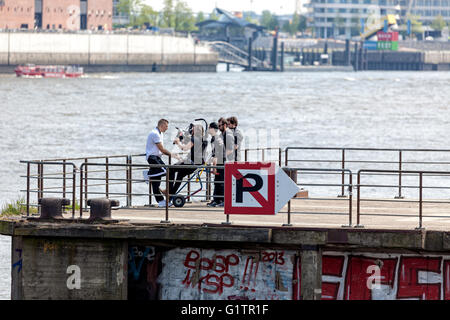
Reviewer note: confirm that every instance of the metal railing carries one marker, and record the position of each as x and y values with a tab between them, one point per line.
420	187
263	152
115	176
345	161
39	176
129	181
315	171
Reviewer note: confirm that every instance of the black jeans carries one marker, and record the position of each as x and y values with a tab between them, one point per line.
155	174
181	173
218	195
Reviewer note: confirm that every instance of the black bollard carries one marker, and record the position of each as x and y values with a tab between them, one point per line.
101	208
51	208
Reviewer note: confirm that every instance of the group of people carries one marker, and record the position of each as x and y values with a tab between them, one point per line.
226	141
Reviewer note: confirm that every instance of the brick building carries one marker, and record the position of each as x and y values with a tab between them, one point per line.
56	14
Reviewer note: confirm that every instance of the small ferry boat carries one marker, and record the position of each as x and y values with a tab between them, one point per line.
31	70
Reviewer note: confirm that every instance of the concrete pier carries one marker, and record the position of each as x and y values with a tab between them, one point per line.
106	52
197	257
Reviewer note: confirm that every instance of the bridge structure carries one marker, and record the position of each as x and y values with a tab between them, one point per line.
231	54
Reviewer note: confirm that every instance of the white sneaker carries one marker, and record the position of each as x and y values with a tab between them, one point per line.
145	174
162	204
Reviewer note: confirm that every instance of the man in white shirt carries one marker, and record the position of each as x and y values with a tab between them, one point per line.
153	151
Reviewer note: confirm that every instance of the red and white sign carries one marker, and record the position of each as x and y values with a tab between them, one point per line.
256	188
387	36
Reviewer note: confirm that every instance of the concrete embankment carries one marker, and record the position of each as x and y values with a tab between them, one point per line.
105	52
394	60
73	260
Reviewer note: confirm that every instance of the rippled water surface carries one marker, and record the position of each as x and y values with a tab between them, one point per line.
113	113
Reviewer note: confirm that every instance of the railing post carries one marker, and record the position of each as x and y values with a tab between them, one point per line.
40	180
209	177
279	157
129	177
81	190
358	202
74	190
86	184
28	189
64	179
189	187
350	200
342	195
420	200
107	177
286	157
399	196
167	197
288	224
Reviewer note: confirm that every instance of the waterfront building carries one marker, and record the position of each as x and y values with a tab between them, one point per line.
341	18
56	14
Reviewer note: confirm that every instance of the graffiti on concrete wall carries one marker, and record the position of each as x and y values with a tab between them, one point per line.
385	277
204	274
143	269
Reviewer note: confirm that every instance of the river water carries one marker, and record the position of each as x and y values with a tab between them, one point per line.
106	114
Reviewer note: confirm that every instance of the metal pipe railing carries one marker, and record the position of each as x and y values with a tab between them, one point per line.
322	170
40	181
128	180
344	159
420	188
89	173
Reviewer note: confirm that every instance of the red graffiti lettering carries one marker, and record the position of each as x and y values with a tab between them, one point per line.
331	266
447	280
276	257
413	285
210	282
191	259
358	273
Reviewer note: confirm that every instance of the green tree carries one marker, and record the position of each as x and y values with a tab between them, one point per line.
147	15
438	23
287	27
168	16
130	8
266	18
269	20
200	17
183	17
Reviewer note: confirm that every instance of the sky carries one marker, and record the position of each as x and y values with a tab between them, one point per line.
206	6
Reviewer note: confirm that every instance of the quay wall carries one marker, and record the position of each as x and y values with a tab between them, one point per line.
396	60
64	260
108	51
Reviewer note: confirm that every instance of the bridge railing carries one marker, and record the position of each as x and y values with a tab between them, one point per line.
234	55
